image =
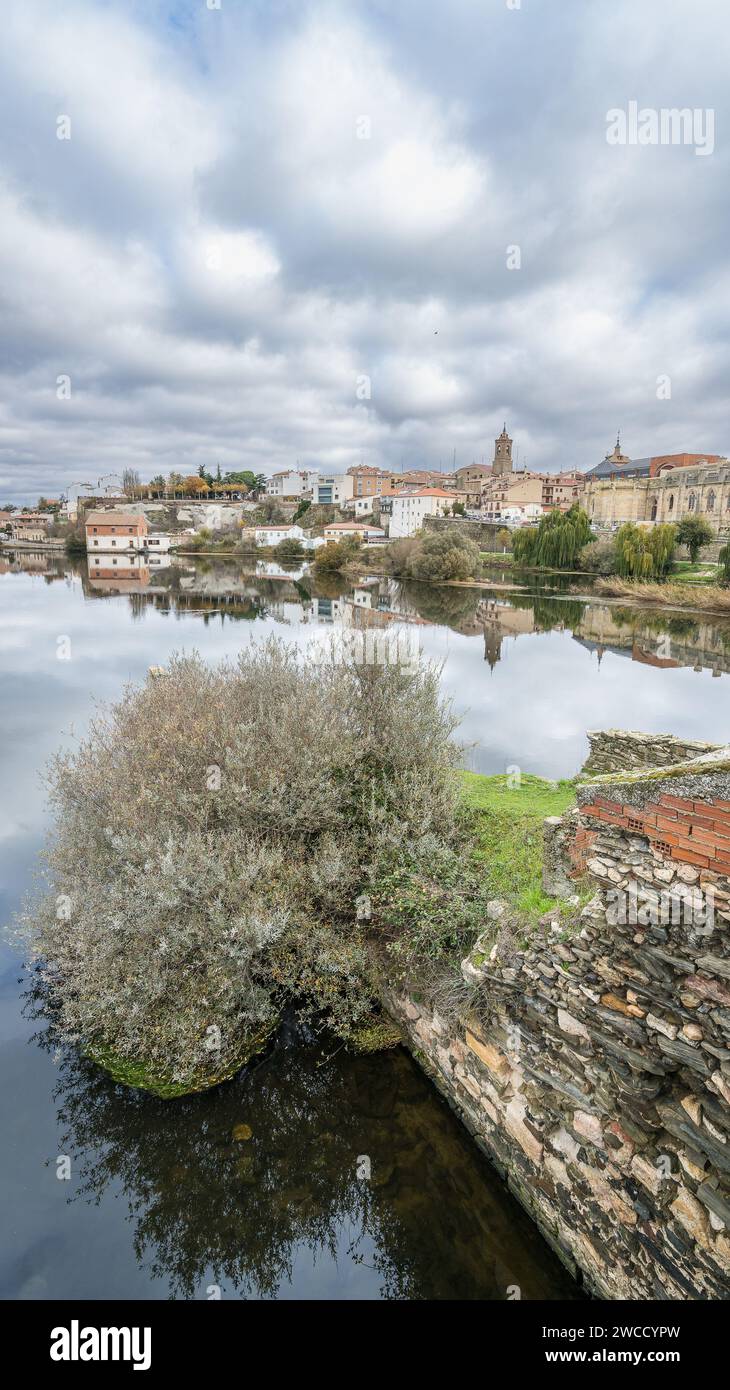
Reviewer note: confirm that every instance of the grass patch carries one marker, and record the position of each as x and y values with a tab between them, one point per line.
508	833
708	597
687	573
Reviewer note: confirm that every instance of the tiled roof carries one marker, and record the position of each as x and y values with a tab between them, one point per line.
112	518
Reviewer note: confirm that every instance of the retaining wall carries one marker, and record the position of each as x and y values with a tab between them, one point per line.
594	1067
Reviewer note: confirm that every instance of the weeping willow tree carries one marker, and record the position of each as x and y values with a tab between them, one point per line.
556	542
645	554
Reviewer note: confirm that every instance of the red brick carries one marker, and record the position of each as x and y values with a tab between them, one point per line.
681	802
670	826
691	818
708	837
607	805
686	857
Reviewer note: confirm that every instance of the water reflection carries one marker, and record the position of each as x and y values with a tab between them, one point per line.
353	1166
180	1205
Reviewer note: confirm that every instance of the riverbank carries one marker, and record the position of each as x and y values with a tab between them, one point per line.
702	598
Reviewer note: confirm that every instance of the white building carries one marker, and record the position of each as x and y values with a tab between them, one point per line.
361	506
335	489
292	482
272	535
409	509
359	530
527	511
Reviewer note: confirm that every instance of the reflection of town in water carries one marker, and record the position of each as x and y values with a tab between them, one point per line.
224	589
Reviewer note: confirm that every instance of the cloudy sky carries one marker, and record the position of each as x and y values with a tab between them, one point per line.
287	230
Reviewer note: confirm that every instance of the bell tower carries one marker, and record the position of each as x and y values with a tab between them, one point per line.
502	462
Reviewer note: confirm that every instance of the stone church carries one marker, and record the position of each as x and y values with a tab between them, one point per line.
660	488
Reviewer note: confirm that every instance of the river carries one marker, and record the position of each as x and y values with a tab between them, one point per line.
357	1182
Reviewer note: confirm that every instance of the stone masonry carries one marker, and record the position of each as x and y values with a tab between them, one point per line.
594	1068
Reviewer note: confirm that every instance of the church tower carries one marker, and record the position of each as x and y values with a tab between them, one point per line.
502	462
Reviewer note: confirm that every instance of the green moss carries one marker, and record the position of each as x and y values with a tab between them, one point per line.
696	768
142	1076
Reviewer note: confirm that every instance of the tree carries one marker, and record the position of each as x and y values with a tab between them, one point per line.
504	538
131	481
444	555
724	558
243	481
555	542
643	553
458	509
694	532
302	509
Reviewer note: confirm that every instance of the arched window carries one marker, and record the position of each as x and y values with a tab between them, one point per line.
654	509
711	500
671	501
692	502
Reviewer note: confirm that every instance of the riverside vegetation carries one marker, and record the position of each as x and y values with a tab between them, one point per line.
232	841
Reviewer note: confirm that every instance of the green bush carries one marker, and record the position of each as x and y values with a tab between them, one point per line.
599	557
289	550
335	555
443	555
214	835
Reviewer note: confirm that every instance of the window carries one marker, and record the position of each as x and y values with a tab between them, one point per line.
692	502
671	501
711	500
654	509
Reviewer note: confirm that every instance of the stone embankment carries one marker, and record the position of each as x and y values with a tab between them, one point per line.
594	1068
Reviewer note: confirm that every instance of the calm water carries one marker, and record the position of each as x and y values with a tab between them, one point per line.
161	1200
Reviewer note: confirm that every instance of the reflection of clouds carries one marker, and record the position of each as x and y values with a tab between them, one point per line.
532	709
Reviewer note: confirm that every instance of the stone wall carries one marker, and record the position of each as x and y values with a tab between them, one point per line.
594	1067
483	533
616	750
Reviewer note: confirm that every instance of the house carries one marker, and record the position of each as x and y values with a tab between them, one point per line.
371	482
115	531
24	528
410	509
292	484
334	490
562	490
359	530
363	506
272	535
